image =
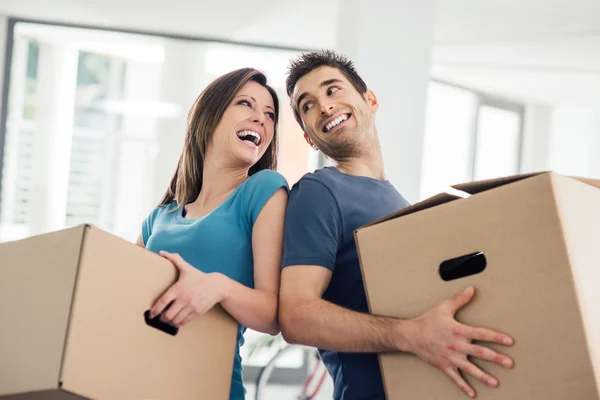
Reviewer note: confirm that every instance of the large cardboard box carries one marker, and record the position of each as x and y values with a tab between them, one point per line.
73	324
530	245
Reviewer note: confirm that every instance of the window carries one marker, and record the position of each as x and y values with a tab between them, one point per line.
448	138
17	167
468	136
96	121
498	142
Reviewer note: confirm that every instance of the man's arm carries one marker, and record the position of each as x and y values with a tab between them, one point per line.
435	337
306	318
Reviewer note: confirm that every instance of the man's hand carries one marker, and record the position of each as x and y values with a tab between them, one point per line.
437	338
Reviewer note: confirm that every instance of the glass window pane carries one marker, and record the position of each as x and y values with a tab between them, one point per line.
448	138
498	143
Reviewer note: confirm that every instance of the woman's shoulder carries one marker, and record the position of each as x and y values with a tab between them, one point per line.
260	187
267	178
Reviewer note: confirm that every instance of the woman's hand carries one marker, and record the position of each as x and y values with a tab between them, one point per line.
193	295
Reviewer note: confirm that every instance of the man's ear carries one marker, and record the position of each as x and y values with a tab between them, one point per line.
310	142
372	101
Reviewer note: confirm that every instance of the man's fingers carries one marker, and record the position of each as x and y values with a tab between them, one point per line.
162	302
467	367
485	353
483	335
461	299
459	381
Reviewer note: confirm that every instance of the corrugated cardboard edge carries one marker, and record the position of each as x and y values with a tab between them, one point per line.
446	197
569	250
85	229
51	394
362	272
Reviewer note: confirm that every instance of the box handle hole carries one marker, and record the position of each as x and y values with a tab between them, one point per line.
463	266
158	324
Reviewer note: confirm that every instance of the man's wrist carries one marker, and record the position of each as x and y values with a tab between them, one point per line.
405	333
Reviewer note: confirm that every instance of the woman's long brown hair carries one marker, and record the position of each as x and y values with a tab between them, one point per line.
203	118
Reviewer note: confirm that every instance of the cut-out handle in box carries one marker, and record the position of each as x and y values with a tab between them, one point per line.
158	324
462	266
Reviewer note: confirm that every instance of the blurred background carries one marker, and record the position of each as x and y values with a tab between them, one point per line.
95	93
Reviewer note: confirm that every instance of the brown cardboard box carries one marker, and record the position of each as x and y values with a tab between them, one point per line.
72	324
539	236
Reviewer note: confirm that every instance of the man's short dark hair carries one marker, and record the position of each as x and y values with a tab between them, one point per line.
307	62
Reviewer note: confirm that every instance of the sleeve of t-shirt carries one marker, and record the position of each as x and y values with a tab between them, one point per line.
260	189
147	225
312	226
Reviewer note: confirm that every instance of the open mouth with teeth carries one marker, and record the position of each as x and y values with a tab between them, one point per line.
336	122
249	137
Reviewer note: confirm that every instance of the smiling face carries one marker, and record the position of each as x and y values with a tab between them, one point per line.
247	127
337	119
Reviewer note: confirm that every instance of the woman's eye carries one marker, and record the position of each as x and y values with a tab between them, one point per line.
245	103
332	90
271	115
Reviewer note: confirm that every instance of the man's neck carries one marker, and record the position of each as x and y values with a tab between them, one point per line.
368	164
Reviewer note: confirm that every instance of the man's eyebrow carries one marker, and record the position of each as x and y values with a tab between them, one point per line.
324	83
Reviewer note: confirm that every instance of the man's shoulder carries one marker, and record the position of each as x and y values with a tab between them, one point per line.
315	192
322	178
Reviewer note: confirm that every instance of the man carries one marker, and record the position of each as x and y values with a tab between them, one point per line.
322	299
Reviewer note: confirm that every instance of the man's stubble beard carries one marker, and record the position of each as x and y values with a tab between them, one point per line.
351	145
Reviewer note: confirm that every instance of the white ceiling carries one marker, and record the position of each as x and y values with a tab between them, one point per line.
545	51
259	21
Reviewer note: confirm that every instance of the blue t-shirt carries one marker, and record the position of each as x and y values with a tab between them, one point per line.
220	241
324	209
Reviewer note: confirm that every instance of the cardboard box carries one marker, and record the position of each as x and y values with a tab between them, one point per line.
532	247
73	325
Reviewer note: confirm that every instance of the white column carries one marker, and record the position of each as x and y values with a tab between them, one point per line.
57	80
183	78
133	172
150	144
391	48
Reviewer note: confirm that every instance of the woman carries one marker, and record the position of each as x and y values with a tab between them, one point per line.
221	219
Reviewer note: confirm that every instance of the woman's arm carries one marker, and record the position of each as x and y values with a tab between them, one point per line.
197	292
257	308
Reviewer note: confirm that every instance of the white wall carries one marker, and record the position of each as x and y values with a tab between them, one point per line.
574	147
562	139
391	48
536	138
